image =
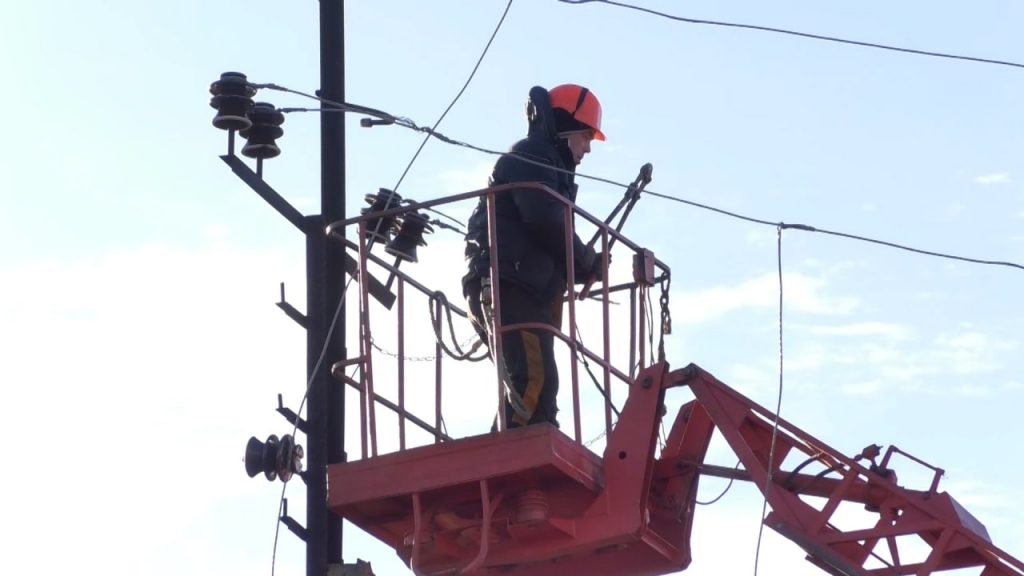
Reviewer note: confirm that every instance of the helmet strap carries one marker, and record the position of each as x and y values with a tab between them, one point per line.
579	101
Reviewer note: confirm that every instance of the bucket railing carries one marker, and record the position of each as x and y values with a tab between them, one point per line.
647	273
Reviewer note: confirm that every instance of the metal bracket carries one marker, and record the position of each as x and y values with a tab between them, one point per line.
290	415
290	522
379	291
256	182
360	568
291	311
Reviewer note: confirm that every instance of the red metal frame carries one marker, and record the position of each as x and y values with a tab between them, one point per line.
367	397
804	505
459	507
535	501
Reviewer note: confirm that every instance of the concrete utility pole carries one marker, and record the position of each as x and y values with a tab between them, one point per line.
325	277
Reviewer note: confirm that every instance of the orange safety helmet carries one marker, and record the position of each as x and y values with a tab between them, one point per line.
581	104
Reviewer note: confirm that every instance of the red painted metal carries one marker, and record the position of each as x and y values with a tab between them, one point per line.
401	364
535	501
632	332
606	344
570	264
364	346
807	509
438	356
496	351
629	512
583	513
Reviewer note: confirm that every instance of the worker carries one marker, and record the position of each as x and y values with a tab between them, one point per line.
531	239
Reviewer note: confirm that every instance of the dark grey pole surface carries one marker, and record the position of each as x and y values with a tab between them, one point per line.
325	269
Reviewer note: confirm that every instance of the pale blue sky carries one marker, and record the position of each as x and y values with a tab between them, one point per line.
140	341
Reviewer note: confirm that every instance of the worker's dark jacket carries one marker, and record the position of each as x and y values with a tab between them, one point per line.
530	223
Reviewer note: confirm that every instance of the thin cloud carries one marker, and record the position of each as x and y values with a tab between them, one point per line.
974	352
902	362
865	388
472	178
878	329
803	294
995	178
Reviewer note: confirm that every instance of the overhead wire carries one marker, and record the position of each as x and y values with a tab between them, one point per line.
445	113
801	34
457	96
807	228
409	124
406	123
778	410
432	132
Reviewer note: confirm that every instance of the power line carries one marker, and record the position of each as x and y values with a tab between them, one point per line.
800	34
780	226
384	116
448	109
432	130
457	96
807	228
409	124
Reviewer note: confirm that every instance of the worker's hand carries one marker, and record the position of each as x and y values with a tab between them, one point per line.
597	271
585	265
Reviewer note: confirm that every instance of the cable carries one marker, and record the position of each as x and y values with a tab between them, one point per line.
435	322
432	130
593	378
801	34
440	224
778	410
335	106
719	497
916	250
305	396
409	124
457	96
803	227
806	228
277	528
435	221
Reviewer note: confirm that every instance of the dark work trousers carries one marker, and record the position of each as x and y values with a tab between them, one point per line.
529	354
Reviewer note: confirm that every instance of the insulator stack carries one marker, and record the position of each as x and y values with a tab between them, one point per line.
265	129
410	235
232	98
275	458
383	228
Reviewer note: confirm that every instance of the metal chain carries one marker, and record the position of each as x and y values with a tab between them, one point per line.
666	317
412	358
590	442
